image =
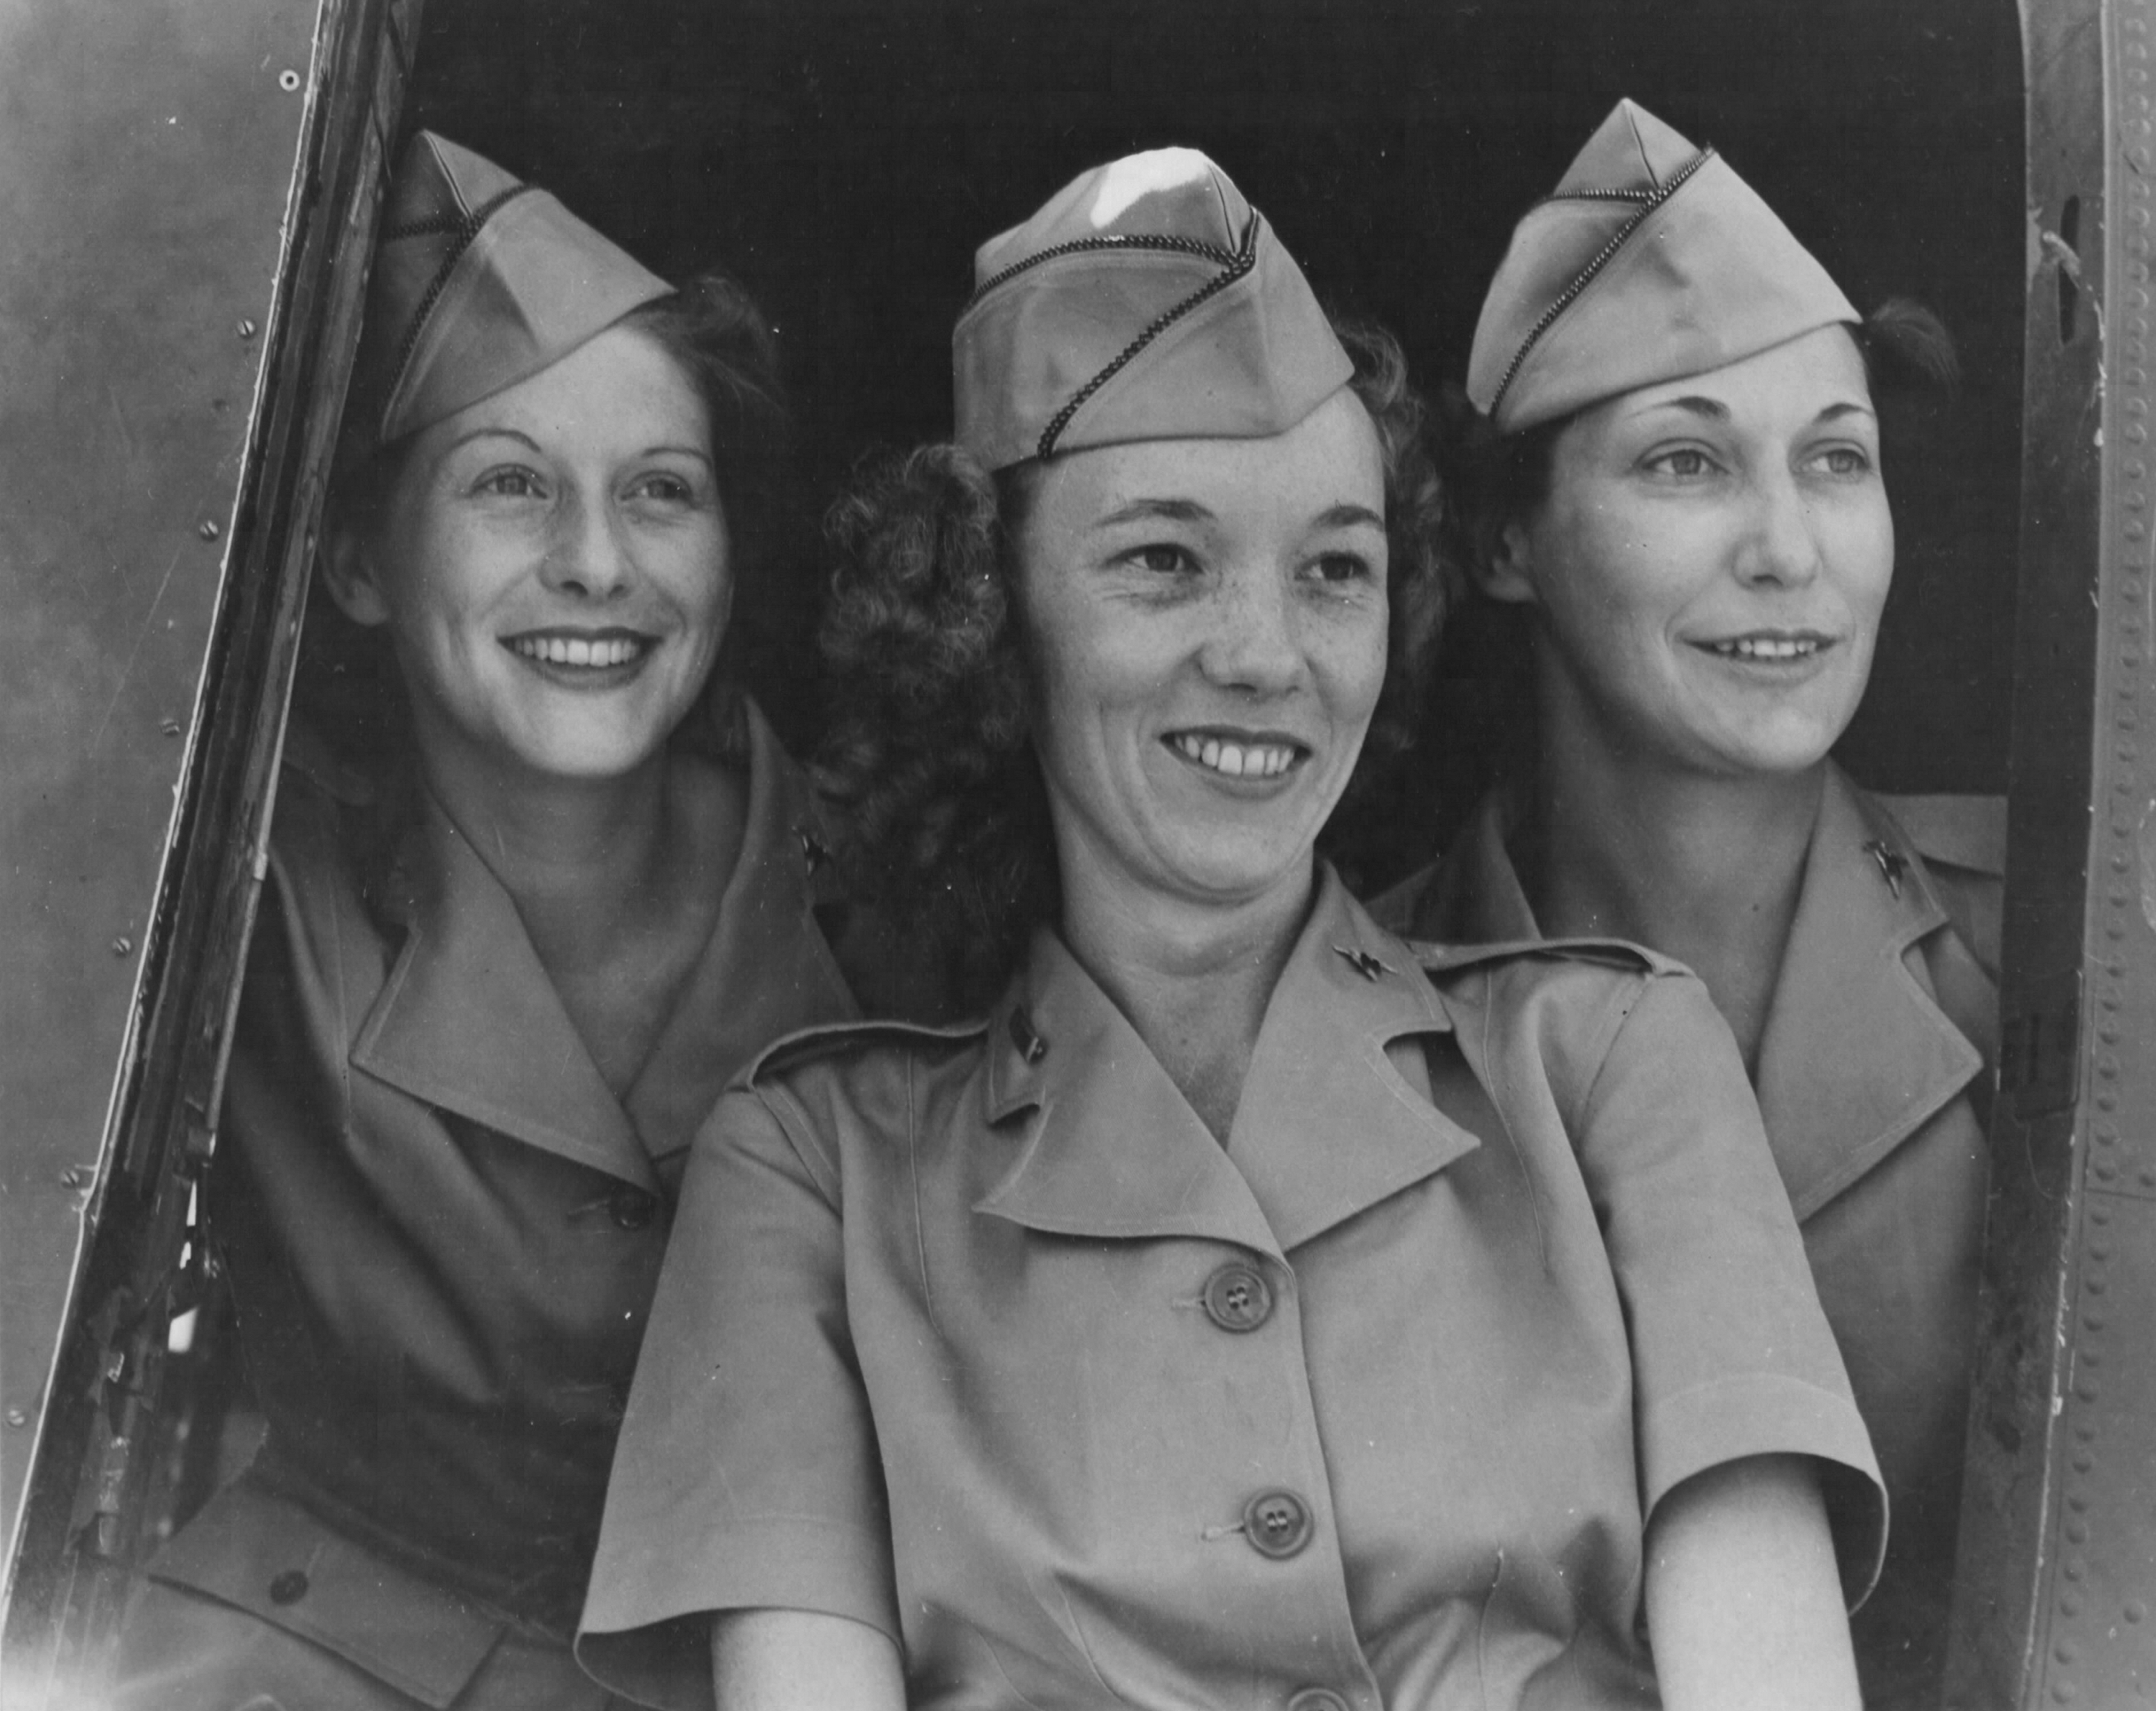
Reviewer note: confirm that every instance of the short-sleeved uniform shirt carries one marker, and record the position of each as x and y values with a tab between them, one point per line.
979	1336
1873	1080
443	1228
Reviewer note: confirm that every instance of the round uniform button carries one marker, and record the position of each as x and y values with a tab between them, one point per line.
1317	1699
631	1208
1238	1297
289	1587
1276	1523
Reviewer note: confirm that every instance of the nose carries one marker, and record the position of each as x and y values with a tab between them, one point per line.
585	554
1252	644
1780	547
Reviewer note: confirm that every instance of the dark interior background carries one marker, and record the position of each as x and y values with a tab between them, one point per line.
844	157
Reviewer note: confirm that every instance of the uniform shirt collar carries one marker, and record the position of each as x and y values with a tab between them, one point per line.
1328	1123
1856	1054
469	1021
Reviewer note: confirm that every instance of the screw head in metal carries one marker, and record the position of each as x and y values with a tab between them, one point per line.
16	1417
288	81
210	530
121	945
246	328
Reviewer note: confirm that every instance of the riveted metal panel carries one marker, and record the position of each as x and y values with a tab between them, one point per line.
149	148
2058	1548
300	201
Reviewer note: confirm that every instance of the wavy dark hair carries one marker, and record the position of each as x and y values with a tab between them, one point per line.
349	689
928	750
1496	479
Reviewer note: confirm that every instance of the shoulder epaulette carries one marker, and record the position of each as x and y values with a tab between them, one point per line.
833	1039
1608	953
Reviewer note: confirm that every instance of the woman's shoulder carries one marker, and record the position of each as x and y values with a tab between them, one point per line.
879	1075
1567	1003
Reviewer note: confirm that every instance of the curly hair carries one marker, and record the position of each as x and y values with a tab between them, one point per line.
928	750
1496	479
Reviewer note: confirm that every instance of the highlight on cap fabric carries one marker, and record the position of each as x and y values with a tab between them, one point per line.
1145	300
1651	261
480	281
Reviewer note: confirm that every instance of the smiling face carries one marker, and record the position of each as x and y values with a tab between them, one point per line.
552	564
1710	564
1206	624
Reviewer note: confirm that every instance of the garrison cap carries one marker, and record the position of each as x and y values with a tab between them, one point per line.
480	281
1651	260
1147	300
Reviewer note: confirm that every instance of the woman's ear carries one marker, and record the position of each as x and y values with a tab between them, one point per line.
347	570
1504	570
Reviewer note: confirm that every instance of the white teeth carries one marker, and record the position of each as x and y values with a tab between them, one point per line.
1236	760
1767	647
576	651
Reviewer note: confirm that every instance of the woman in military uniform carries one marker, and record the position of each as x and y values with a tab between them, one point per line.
1237	1311
498	979
1674	468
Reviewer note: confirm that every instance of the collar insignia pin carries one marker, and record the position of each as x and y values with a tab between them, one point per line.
1031	1045
813	852
1892	864
1362	962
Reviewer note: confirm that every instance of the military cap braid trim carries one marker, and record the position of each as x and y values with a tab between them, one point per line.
465	230
1107	240
1585	277
1235	267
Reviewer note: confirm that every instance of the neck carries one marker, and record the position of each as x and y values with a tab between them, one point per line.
585	859
1193	977
1705	868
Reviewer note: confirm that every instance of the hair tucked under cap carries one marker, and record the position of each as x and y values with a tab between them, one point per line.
1146	301
480	281
1651	261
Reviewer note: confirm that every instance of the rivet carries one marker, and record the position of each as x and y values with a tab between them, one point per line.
2085	1430
2107	1102
2133	530
2095	1286
2093	1320
2063	1692
2076	1569
288	81
2135	432
2136	1610
2106	1169
210	530
171	727
2082	1462
121	945
246	328
2107	1067
17	1417
2099	1214
2065	1651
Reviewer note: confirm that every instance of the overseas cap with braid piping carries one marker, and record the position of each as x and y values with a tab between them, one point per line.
1651	260
480	281
1146	301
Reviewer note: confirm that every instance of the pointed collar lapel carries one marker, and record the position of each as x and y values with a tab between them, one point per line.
1326	1125
765	971
469	1021
1856	1053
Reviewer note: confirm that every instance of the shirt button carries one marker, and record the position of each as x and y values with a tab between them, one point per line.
1276	1523
1317	1699
631	1208
289	1587
1238	1297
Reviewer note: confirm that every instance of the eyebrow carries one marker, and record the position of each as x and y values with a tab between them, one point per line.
1179	511
1714	410
666	449
1344	515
